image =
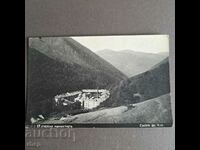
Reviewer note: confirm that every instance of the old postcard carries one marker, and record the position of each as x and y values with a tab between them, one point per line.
99	81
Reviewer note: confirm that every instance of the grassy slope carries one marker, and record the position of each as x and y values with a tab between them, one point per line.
157	110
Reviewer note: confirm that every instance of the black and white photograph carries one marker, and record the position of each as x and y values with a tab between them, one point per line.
115	80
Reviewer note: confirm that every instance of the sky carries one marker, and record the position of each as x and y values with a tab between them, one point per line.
140	43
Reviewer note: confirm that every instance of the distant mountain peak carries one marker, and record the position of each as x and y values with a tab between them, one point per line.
131	62
105	50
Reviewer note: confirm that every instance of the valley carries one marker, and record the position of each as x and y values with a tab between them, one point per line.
70	84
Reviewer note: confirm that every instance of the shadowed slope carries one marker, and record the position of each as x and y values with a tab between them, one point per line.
59	65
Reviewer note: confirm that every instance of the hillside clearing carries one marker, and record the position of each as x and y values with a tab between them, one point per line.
156	110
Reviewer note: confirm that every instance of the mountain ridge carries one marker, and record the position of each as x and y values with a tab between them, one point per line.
61	48
131	62
147	85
